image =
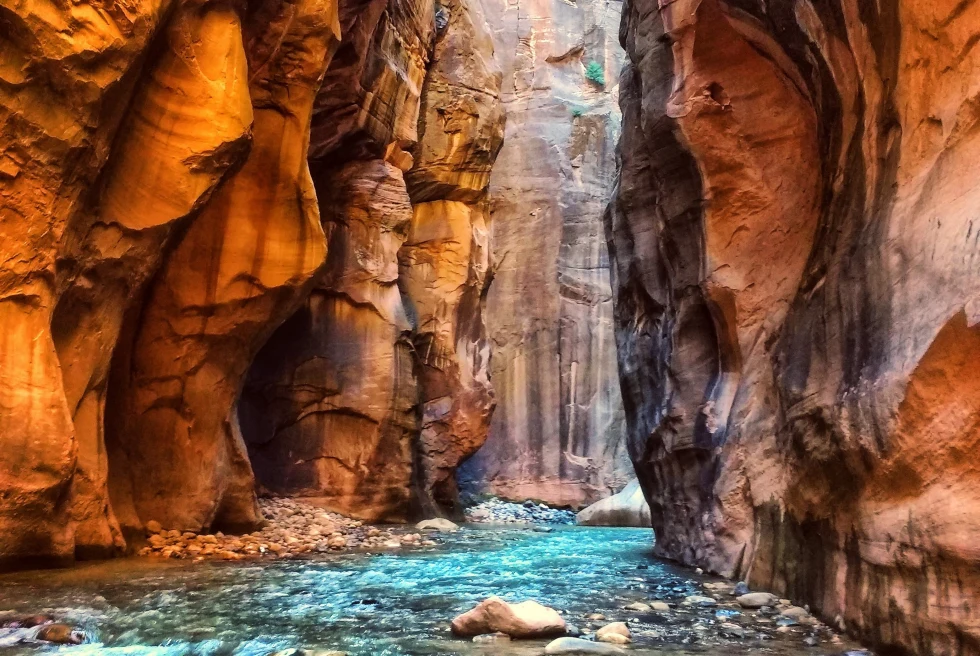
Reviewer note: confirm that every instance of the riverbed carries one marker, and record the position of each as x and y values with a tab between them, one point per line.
391	604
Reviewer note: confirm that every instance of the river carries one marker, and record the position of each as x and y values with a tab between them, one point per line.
389	604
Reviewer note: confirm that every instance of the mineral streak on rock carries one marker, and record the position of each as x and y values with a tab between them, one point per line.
795	260
558	432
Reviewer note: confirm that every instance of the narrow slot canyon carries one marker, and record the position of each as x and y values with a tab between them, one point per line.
420	327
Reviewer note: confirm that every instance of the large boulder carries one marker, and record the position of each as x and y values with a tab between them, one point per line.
627	508
528	619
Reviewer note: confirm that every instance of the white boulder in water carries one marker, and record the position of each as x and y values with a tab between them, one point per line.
436	524
626	508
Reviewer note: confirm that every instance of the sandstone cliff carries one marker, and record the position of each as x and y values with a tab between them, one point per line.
795	278
161	220
372	394
558	433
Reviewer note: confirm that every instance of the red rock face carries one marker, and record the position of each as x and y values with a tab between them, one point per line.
796	302
160	221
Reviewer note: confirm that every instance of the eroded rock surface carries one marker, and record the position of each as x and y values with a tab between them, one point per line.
371	395
795	257
160	220
558	433
445	263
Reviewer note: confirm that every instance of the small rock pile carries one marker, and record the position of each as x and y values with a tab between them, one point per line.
294	528
497	511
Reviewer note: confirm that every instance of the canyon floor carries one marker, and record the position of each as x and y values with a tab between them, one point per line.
400	601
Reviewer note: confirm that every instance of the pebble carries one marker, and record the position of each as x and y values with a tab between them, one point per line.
491	638
698	600
498	511
294	528
660	606
616	633
639	607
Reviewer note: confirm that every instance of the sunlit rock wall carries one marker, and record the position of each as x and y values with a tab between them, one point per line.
795	254
160	221
445	262
369	397
329	409
558	433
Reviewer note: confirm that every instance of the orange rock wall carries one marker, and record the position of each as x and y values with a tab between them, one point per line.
176	181
796	302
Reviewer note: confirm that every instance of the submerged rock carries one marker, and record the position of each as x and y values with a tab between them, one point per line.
61	634
579	646
528	619
491	638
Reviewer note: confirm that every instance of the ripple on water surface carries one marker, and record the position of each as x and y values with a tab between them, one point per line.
396	604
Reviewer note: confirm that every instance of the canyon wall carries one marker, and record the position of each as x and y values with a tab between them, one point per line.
368	398
558	433
795	252
179	180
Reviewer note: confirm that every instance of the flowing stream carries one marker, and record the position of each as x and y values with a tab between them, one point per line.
383	604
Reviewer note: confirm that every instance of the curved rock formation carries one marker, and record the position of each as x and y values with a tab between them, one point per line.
558	433
796	301
372	394
160	221
242	267
329	407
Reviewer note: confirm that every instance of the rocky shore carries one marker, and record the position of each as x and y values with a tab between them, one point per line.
498	511
721	613
294	528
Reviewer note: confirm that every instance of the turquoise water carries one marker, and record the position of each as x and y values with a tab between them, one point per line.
397	604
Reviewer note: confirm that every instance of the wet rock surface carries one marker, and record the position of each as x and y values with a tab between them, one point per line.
401	604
